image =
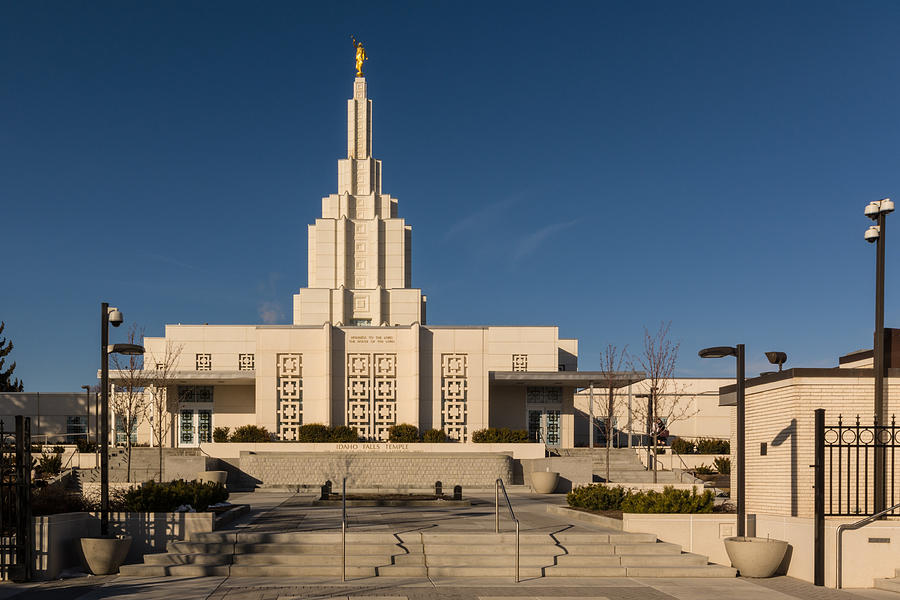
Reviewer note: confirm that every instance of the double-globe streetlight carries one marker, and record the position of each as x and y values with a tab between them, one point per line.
108	316
737	352
877	211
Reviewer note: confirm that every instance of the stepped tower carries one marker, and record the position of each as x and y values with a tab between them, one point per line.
360	255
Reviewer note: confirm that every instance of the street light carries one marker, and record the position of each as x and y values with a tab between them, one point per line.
737	352
877	211
108	316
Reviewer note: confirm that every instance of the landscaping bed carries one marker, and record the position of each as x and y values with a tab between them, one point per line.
357	500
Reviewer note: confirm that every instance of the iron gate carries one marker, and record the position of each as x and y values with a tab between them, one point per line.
850	448
16	545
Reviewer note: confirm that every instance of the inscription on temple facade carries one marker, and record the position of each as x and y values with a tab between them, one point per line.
372	339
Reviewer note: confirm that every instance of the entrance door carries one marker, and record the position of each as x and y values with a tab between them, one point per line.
543	425
194	425
543	405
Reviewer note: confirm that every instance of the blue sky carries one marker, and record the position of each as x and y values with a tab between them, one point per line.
603	166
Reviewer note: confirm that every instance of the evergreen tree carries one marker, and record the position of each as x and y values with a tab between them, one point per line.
7	384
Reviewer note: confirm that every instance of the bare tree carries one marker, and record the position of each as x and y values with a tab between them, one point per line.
160	373
668	403
611	361
129	400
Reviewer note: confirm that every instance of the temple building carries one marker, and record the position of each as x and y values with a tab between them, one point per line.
359	351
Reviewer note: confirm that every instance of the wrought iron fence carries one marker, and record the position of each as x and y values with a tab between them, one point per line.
850	449
16	545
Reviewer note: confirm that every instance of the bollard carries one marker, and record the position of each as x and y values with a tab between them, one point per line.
438	489
457	492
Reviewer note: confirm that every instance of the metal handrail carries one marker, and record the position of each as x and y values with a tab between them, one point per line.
499	485
344	530
852	526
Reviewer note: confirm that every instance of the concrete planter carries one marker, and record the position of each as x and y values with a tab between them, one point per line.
213	476
544	482
755	557
103	556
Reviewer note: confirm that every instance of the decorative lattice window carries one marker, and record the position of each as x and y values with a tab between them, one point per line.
543	395
454	392
519	362
289	391
195	393
246	362
204	362
372	394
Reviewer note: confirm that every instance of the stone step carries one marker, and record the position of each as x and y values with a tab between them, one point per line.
312	560
706	571
497	560
172	559
524	572
891	584
631	560
316	549
333	570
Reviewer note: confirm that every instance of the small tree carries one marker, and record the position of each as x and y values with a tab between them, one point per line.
611	361
129	399
163	403
668	403
7	383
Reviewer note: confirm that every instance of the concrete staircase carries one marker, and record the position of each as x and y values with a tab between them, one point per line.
421	554
144	464
625	467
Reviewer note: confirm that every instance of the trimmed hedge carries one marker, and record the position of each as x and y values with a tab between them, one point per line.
501	435
220	434
701	446
404	433
722	465
600	497
313	432
434	436
250	433
166	497
344	433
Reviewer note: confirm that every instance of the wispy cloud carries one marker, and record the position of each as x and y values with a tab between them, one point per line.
270	312
532	241
483	215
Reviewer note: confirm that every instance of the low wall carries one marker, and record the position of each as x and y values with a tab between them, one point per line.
670	461
188	467
700	534
234	449
377	469
56	537
572	471
863	560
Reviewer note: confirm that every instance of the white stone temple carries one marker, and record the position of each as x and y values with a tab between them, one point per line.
359	351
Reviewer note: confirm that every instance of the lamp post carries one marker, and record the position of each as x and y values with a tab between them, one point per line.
737	352
108	316
877	211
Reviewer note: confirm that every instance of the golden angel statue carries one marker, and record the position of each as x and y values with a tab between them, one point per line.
361	56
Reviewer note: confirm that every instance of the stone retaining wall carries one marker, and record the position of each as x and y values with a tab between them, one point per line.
377	470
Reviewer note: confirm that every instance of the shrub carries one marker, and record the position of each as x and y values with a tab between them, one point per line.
682	446
435	436
85	445
722	465
57	449
343	433
704	469
597	497
49	465
495	435
403	433
166	497
313	432
600	497
713	446
53	500
250	433
220	434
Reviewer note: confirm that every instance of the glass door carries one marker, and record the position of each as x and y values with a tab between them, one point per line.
194	425
543	425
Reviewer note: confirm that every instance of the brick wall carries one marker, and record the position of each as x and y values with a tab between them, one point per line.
372	470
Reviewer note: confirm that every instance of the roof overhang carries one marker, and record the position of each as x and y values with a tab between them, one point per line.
576	379
200	377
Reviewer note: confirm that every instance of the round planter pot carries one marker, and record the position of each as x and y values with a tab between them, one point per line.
755	557
213	476
103	556
544	482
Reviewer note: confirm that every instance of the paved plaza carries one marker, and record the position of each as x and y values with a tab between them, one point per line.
284	512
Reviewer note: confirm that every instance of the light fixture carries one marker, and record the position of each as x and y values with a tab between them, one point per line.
717	352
